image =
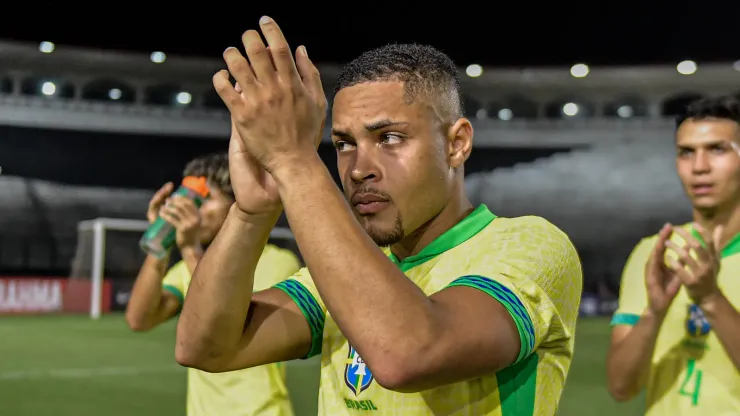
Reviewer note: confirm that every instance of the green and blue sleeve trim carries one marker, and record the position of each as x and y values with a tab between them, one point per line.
310	309
630	319
511	302
177	293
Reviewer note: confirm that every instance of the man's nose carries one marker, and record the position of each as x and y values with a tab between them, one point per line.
365	167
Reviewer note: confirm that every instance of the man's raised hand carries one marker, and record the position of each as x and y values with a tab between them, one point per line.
280	114
695	264
255	191
661	283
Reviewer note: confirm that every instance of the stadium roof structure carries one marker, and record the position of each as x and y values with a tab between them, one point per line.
14	53
502	35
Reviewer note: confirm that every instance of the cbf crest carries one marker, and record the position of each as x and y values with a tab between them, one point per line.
696	323
357	376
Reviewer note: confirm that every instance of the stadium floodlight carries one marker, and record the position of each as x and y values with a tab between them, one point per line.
48	88
46	47
625	111
158	57
686	67
90	257
115	94
570	109
474	70
579	70
183	98
505	114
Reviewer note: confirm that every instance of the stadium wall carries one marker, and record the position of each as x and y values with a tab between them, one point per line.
49	295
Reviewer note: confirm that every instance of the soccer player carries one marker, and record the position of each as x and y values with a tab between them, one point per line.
158	294
676	332
418	302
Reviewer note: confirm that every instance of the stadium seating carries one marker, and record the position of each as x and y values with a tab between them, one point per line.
606	197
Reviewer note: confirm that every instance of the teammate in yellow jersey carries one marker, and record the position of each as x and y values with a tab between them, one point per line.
158	295
462	313
676	332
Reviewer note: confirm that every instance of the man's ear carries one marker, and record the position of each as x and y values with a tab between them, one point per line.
459	142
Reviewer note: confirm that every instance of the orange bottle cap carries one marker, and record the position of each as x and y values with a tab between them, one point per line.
198	184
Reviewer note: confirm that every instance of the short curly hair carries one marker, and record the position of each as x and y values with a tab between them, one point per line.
721	107
215	168
425	71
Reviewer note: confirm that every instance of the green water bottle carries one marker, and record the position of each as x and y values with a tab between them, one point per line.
160	236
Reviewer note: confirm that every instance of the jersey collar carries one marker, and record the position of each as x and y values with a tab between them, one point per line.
460	233
732	247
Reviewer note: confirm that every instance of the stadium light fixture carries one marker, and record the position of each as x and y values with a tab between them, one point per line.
686	67
184	98
46	47
474	70
115	94
48	88
579	70
570	109
625	111
505	114
158	57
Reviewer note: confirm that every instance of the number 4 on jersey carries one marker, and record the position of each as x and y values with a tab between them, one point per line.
692	383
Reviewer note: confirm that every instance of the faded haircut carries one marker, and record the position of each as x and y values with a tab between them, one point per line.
426	72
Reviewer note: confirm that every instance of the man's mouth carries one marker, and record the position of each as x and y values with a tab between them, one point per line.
369	203
702	189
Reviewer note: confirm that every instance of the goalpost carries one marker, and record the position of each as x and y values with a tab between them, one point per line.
124	234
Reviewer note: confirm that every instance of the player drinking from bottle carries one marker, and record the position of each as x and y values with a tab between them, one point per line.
458	312
676	332
158	294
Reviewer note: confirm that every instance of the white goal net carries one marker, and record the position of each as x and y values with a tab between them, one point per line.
108	251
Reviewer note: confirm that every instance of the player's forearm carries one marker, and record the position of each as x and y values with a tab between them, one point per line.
628	364
381	312
146	295
215	311
725	321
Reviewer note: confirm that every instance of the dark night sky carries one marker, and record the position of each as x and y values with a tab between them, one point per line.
524	34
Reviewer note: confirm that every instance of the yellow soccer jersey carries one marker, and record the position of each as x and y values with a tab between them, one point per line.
253	391
526	263
691	372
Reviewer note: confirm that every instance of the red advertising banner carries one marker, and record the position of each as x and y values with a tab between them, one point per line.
42	295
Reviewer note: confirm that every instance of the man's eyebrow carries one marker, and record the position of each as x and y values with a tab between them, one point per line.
376	125
381	124
706	143
340	133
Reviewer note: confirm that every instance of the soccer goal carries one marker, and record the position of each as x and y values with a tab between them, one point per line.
108	249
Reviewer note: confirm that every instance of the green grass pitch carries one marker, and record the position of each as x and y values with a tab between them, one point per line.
73	366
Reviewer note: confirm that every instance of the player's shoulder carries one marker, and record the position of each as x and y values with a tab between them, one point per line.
524	222
527	231
303	275
275	253
530	244
179	268
178	275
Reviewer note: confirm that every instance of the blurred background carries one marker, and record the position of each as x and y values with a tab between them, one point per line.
573	121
